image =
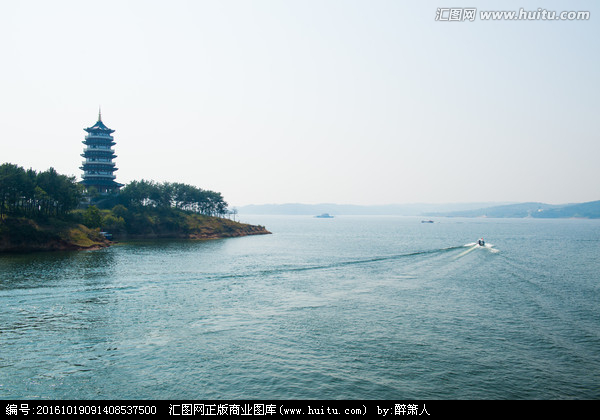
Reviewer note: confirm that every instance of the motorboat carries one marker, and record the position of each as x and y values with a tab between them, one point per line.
324	216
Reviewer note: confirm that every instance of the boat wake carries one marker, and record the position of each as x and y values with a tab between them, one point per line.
474	245
352	262
356	262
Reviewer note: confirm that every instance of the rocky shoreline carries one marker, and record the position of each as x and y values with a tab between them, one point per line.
22	235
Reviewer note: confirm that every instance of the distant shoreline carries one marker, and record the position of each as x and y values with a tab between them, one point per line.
587	210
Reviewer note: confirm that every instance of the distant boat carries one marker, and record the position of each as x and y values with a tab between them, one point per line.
324	216
426	221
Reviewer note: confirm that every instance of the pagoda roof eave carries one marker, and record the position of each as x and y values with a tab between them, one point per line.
99	126
100	182
95	129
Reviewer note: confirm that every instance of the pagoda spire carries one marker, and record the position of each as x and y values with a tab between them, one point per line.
99	114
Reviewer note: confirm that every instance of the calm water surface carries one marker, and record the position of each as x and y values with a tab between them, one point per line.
343	308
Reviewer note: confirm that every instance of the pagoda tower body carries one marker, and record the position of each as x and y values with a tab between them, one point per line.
98	167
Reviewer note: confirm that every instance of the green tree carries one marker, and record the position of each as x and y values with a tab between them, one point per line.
120	211
12	185
112	223
92	217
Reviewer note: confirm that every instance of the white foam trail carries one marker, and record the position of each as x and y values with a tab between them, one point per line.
490	247
474	245
467	251
494	250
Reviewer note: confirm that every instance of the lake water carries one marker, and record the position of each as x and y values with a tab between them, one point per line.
342	308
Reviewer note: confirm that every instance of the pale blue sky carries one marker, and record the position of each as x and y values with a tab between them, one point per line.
361	102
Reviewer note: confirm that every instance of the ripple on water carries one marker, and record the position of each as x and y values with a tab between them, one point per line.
376	308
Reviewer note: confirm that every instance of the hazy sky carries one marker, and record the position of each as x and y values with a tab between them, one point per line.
356	102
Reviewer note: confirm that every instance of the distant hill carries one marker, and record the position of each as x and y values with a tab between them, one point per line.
589	210
418	209
510	210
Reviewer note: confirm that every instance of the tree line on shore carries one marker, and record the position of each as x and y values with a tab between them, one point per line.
35	194
175	195
49	194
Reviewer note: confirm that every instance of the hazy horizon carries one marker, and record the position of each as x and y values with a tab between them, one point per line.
444	207
274	102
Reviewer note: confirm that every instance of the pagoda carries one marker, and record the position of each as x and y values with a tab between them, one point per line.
98	167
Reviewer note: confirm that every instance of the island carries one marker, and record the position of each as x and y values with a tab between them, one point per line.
45	211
